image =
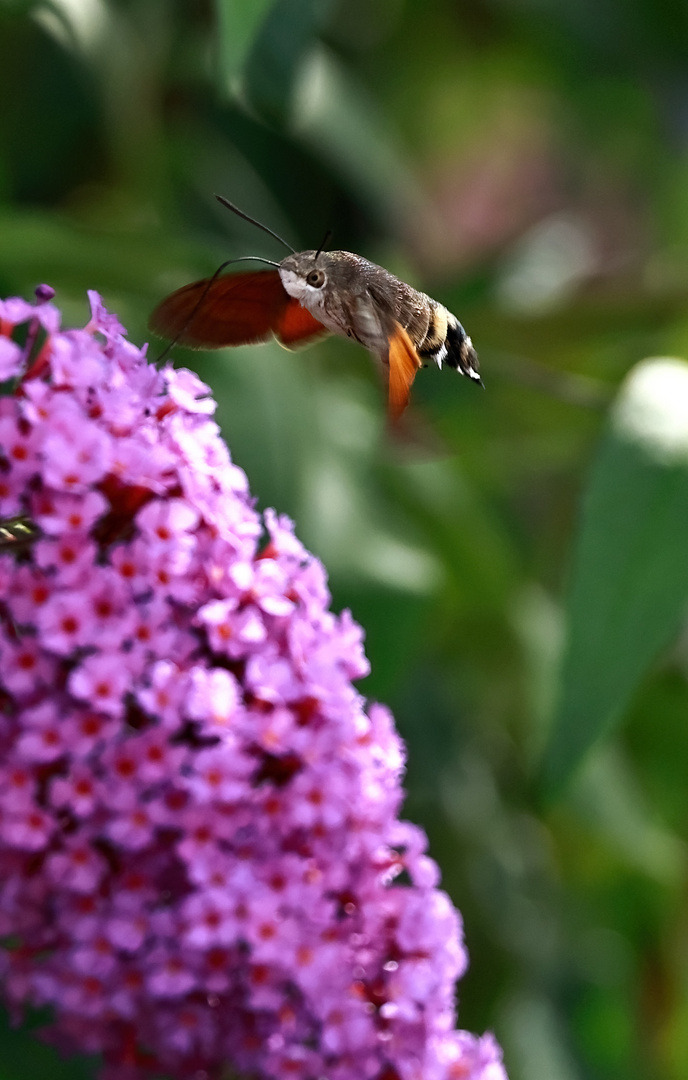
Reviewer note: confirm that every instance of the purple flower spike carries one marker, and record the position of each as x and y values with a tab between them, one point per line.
200	847
44	293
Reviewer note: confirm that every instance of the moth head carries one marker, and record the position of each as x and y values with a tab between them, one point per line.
304	275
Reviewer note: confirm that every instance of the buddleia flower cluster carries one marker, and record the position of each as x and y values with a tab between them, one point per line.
202	868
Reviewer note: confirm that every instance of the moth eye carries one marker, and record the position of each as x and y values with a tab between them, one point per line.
316	278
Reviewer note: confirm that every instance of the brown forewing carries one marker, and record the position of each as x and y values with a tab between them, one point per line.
240	309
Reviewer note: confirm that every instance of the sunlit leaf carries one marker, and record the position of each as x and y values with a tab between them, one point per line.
277	54
629	584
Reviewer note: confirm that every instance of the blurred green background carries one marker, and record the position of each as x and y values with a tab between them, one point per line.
518	556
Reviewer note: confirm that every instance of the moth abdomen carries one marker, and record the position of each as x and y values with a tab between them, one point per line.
460	353
433	344
447	342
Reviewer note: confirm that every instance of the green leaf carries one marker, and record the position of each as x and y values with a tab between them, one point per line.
239	26
275	60
23	1056
630	572
342	124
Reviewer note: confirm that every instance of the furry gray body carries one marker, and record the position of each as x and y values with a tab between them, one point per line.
358	299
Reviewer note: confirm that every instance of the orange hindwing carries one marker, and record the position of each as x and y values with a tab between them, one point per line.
404	363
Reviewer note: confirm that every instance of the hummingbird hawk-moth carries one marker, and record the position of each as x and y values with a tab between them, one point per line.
312	293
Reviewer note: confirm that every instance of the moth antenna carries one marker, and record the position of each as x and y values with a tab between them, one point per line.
325	241
252	221
187	324
251	258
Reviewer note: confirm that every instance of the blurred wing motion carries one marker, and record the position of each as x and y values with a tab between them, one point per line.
404	363
239	309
